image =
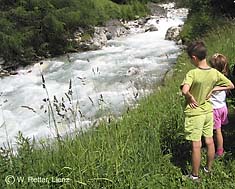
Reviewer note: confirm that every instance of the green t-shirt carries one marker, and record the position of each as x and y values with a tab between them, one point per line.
201	82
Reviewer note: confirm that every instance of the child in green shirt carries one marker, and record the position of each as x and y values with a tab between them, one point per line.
197	87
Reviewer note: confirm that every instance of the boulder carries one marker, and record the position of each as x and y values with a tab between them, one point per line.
173	33
95	42
99	38
115	28
143	21
109	35
4	73
157	10
150	28
133	71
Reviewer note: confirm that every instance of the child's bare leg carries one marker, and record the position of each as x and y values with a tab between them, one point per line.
219	138
196	157
210	151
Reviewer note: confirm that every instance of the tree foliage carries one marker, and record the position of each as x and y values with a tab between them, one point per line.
216	7
41	28
225	7
203	15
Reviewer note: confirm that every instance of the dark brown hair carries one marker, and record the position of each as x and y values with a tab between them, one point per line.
197	49
220	62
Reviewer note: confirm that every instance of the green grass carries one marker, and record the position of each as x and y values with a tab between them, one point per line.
143	149
221	39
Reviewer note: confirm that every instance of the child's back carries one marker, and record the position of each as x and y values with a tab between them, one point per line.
202	81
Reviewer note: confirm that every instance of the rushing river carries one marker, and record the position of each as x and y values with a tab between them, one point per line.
92	84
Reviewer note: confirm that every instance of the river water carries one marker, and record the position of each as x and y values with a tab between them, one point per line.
93	84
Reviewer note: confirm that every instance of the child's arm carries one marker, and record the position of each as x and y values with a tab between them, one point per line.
220	88
223	88
189	97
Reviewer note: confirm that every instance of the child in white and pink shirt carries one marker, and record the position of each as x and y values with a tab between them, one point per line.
218	99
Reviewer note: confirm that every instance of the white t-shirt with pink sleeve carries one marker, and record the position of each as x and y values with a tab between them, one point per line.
218	99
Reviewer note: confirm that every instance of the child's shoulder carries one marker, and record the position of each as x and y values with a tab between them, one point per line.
209	69
195	70
192	70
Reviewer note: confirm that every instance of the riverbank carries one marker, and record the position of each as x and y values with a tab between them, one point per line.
112	29
34	31
144	149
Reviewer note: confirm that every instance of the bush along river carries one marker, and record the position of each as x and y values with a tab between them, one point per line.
76	90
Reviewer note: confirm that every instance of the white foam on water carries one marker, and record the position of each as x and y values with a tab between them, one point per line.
104	82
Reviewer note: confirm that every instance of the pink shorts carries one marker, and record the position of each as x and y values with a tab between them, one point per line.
220	117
